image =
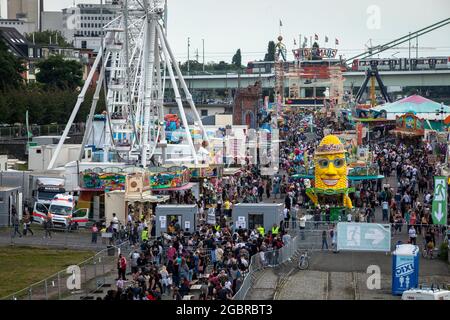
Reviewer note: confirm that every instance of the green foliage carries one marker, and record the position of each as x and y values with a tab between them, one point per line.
237	59
197	67
55	72
44	106
270	55
43	38
443	251
10	69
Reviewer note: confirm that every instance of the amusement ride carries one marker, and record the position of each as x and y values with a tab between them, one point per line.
132	64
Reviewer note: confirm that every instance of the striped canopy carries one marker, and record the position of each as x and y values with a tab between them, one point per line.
420	106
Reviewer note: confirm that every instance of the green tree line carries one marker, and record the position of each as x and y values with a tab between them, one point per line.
50	100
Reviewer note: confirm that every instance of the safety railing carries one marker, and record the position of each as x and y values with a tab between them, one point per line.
263	259
79	280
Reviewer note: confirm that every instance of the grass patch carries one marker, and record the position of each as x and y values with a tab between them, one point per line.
23	266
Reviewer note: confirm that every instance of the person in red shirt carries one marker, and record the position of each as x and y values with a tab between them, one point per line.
122	267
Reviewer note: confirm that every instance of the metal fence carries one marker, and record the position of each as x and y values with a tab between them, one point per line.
39	130
91	275
264	259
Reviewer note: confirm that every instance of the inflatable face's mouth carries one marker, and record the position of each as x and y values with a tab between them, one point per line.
330	182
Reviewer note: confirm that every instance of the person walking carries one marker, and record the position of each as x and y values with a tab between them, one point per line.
412	235
324	239
121	267
27	225
94	233
15	223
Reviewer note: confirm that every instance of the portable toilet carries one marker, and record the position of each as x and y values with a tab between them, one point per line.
405	268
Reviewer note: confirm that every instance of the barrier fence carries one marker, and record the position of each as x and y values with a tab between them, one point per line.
84	278
37	130
309	238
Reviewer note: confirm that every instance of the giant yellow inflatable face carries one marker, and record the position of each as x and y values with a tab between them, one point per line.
330	164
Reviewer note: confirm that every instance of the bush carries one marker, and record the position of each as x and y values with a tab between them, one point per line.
443	251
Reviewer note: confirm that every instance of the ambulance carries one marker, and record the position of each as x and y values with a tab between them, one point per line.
64	213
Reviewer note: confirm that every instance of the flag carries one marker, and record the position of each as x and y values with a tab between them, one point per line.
337	42
326	39
316	37
281	23
29	134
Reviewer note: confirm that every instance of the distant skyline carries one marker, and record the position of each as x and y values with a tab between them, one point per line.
250	24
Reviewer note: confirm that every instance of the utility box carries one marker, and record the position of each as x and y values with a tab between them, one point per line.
405	268
250	215
180	216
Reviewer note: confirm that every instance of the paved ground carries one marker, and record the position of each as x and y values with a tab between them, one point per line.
74	240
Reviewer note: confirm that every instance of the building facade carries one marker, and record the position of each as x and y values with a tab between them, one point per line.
26	9
246	105
52	21
21	25
83	24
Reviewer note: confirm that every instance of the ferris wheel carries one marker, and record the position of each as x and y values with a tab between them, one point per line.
133	60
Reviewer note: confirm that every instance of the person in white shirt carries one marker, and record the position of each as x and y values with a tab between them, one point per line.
349	217
115	223
412	235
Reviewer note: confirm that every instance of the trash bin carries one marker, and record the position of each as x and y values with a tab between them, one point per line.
111	251
405	268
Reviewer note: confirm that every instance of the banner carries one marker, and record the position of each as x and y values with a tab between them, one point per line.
439	208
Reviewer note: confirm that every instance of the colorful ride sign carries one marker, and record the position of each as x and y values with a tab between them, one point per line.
439	208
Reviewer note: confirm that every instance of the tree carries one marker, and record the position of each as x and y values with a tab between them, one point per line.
270	55
55	72
237	59
44	37
10	68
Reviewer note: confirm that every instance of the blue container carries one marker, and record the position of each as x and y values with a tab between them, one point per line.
405	268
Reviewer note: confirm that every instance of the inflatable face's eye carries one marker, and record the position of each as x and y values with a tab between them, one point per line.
323	163
338	163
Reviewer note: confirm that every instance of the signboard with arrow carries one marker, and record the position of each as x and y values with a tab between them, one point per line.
439	208
363	237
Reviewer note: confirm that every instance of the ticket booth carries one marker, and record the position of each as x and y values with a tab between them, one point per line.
176	216
250	215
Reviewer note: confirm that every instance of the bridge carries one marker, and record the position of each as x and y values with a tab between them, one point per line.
422	78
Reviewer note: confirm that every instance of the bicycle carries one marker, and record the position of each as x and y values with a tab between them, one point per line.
427	253
303	262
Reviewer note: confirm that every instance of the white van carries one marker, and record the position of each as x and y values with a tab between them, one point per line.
63	212
426	294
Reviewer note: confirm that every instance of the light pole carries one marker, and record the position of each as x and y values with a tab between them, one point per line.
203	42
189	49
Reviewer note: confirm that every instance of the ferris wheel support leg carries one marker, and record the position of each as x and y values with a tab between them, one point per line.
149	66
80	100
88	130
170	64
184	86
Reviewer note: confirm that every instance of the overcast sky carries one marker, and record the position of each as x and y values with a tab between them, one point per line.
227	25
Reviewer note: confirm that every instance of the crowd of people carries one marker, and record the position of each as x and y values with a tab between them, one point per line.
214	259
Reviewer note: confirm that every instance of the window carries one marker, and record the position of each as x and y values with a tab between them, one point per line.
204	113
